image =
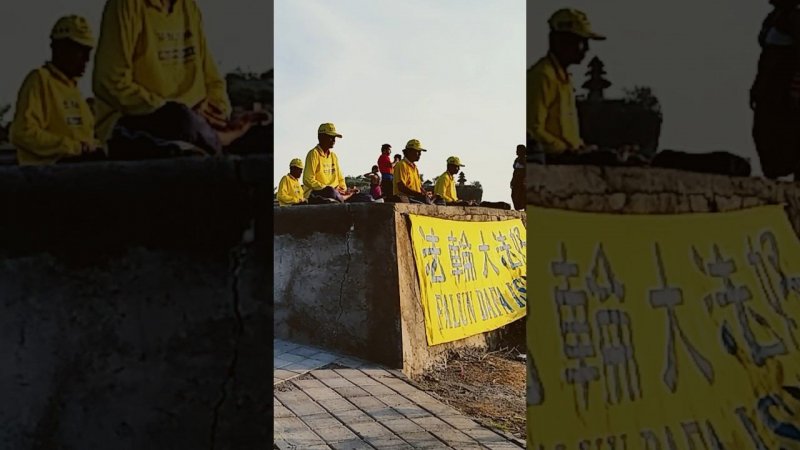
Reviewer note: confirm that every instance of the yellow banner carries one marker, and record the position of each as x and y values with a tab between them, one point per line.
663	332
471	275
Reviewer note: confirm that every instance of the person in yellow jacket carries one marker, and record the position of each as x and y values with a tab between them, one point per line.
290	192
323	177
52	121
407	182
152	55
445	187
552	113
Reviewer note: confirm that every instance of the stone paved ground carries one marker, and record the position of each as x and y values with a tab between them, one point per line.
327	401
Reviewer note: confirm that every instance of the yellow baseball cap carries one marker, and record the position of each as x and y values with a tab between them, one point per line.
296	163
414	145
329	129
454	160
573	21
74	28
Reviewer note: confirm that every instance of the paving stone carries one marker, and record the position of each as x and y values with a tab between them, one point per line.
375	372
423	440
363	407
295	434
326	357
503	446
350	392
349	373
461	422
431	423
454	437
367	403
305	365
323	393
280	363
283	375
337	382
353	417
390	443
353	444
299	403
412	411
292	358
402	426
322	420
308	384
281	412
484	436
325	374
335	405
384	414
350	362
377	389
372	430
306	351
395	400
336	433
363	381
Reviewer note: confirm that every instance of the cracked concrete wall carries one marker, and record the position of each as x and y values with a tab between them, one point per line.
654	191
345	280
134	312
336	279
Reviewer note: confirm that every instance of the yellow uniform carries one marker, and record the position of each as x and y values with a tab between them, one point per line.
51	118
147	56
321	171
446	188
407	172
289	191
552	113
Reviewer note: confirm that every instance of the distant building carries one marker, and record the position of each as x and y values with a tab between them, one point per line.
596	84
612	123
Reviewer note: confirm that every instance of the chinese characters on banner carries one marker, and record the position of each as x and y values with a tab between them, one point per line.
663	332
470	275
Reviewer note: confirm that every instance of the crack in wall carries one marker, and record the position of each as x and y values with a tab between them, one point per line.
238	254
346	271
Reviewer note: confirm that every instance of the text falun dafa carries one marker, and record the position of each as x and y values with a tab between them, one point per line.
471	275
663	332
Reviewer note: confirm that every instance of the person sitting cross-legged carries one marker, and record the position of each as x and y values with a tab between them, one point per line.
407	182
290	192
53	122
323	179
445	186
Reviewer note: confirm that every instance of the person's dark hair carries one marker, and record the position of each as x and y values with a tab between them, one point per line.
385	146
374	167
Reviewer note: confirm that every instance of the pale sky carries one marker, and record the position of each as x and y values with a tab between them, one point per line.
239	33
700	58
450	73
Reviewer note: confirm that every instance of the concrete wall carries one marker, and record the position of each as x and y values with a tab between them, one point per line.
134	308
345	279
653	191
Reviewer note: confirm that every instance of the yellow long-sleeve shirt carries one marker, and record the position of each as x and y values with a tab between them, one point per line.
289	191
320	171
552	113
147	55
407	172
51	119
446	188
